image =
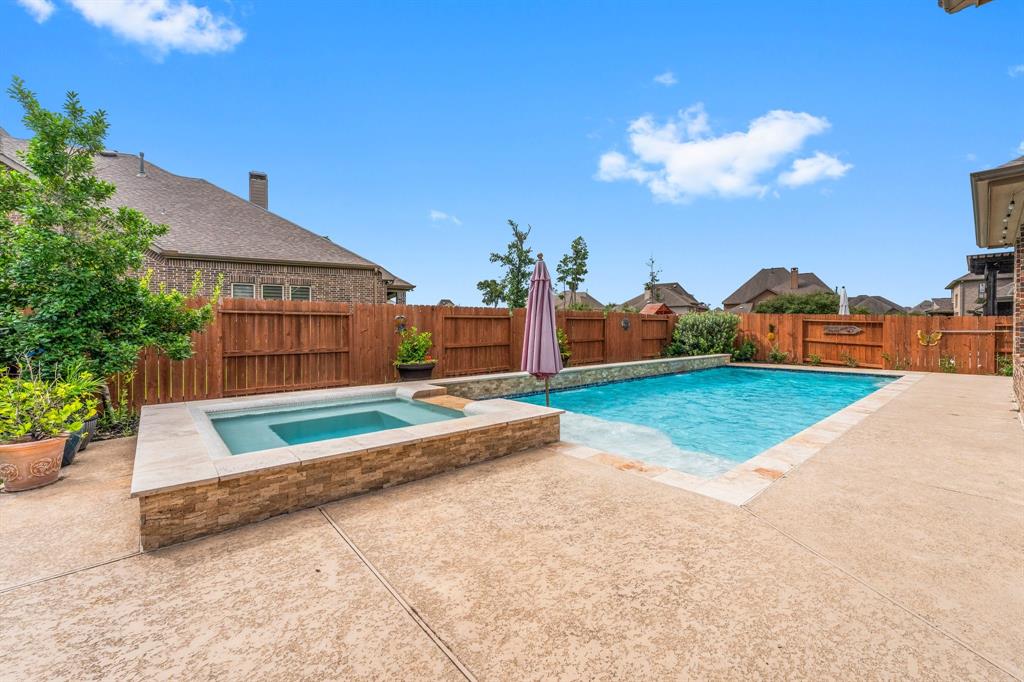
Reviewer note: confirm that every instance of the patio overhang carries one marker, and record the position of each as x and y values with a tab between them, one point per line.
998	196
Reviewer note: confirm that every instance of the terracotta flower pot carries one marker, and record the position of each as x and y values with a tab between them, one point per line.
32	464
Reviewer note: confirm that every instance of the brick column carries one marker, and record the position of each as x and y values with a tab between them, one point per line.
1018	318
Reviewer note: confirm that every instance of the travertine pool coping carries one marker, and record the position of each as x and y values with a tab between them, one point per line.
178	446
747	480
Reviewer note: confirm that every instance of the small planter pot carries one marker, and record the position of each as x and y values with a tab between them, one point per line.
90	433
418	371
71	446
32	464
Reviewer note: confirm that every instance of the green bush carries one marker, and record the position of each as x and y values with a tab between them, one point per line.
563	346
821	303
814	359
33	408
947	364
849	360
703	334
746	352
414	347
1004	365
777	356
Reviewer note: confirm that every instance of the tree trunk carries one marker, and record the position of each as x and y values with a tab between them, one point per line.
108	404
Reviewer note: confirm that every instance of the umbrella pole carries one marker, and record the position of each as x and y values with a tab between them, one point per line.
547	392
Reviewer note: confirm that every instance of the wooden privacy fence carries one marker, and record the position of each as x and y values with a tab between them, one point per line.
258	346
971	344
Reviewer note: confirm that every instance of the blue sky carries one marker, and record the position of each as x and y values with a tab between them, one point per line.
719	137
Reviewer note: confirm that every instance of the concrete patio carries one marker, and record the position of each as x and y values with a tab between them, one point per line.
895	552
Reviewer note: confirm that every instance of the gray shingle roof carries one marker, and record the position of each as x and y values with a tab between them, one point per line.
878	305
208	222
582	298
775	280
671	294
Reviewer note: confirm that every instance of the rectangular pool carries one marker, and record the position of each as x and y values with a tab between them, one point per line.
705	422
249	431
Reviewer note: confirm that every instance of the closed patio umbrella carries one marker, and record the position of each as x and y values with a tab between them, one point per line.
844	302
541	357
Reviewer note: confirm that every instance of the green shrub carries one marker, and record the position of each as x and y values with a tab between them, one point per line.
120	421
703	334
849	360
33	408
947	364
777	356
814	359
821	303
1004	365
414	347
896	362
563	346
746	352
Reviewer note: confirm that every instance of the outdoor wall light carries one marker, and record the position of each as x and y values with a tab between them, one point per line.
399	323
625	323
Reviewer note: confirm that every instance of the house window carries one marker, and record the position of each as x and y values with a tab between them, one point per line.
243	290
299	293
272	292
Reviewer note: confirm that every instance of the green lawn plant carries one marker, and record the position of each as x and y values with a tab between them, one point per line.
33	407
1004	365
777	356
746	352
563	345
70	261
414	347
704	334
814	359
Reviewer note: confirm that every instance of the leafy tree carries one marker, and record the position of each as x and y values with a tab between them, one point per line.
572	269
653	274
820	303
69	262
517	263
491	292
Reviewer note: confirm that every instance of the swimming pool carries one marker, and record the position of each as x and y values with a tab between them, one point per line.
249	431
705	422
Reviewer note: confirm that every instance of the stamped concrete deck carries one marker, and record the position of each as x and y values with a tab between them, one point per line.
895	552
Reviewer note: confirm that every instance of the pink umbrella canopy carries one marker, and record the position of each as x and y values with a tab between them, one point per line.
541	357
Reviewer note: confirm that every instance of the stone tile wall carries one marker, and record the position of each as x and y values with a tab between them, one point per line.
194	511
1018	319
495	385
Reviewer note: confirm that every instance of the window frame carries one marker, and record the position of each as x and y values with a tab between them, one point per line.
292	288
252	288
263	288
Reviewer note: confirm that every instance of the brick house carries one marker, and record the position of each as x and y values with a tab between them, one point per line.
768	283
260	254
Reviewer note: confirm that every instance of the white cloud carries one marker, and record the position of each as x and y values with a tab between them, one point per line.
680	159
441	217
971	156
165	25
813	169
668	79
1016	70
39	9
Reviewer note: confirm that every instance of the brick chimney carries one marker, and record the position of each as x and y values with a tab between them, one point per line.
258	188
794	273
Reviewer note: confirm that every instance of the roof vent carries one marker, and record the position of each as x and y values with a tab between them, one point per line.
142	165
108	153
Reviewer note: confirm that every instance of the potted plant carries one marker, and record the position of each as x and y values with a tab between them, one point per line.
413	358
36	415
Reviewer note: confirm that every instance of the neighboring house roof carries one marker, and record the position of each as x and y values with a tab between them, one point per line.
878	305
208	222
562	300
971	277
671	294
934	306
777	281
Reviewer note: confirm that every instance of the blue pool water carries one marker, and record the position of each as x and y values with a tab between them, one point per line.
704	422
261	430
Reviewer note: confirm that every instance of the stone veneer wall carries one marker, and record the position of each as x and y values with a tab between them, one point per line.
497	385
191	512
348	285
1018	320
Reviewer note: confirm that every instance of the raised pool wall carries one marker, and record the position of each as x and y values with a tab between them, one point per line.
184	493
519	383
